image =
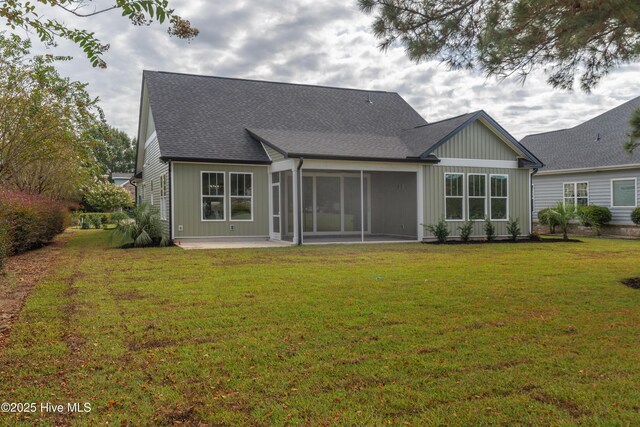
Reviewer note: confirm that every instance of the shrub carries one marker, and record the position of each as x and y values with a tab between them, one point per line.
635	216
105	196
29	221
118	218
96	221
465	231
489	230
439	230
86	224
513	228
545	217
563	215
594	216
534	236
145	230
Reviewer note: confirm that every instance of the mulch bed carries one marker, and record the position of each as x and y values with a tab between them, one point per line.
508	241
21	273
632	282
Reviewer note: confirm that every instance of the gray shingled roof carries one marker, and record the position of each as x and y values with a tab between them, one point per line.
595	143
330	144
200	117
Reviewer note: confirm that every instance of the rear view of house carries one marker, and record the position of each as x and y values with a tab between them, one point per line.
233	158
587	165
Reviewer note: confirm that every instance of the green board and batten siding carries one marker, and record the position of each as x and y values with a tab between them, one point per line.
188	202
518	201
476	141
153	169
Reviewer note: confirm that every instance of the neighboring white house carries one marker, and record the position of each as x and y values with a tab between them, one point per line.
587	165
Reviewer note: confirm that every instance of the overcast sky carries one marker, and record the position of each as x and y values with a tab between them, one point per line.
324	42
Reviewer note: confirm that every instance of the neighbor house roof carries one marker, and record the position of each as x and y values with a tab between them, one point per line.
595	143
121	175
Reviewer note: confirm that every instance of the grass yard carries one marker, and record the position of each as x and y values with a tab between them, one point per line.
350	335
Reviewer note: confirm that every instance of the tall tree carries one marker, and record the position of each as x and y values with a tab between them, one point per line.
42	118
114	150
572	40
32	16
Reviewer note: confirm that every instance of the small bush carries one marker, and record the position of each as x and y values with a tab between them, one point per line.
534	236
118	217
635	216
144	230
96	221
439	230
86	224
489	230
513	228
465	231
594	215
546	217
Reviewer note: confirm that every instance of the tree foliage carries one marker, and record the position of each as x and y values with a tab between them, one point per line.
570	39
563	215
634	135
113	149
106	197
32	16
42	118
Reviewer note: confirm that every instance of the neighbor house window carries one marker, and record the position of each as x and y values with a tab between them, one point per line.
623	192
576	193
152	191
454	196
213	196
163	196
241	196
499	196
477	190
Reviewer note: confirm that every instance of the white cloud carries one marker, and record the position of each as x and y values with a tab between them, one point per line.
321	42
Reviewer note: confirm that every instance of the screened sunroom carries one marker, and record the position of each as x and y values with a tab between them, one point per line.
344	206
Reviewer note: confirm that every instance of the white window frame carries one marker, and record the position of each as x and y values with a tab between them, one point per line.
635	185
491	218
151	196
224	198
486	196
575	193
163	196
464	186
231	196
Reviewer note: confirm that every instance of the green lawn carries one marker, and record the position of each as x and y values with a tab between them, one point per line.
353	335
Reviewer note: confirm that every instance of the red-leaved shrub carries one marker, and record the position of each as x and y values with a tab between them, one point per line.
28	221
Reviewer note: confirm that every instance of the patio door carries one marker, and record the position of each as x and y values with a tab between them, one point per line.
275	207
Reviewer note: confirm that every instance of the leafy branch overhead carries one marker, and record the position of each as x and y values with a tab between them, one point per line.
31	16
570	39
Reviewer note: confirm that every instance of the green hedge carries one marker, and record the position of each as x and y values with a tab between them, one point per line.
635	216
594	216
88	220
28	221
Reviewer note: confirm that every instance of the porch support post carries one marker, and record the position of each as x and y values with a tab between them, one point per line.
420	198
362	205
295	193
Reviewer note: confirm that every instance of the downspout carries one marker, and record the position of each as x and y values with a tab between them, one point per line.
535	170
170	207
299	195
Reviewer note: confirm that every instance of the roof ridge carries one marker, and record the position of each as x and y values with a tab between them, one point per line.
269	81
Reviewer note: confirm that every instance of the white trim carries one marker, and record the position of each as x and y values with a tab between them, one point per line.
594	169
499	197
224	198
479	163
164	196
575	193
249	165
635	193
172	199
231	196
486	196
463	197
530	192
283	165
295	193
361	204
358	165
420	186
270	203
151	139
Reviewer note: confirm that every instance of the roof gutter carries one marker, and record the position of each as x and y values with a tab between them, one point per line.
431	159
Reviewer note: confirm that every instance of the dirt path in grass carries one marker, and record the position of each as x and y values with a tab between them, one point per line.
22	272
